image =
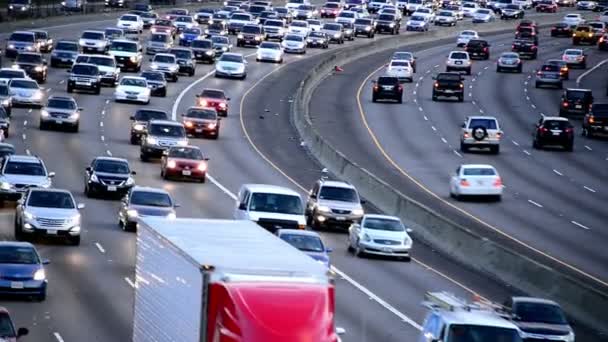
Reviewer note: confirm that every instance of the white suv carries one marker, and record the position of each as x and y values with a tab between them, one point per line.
459	61
270	206
333	204
480	132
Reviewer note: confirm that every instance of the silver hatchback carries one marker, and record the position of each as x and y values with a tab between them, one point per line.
60	111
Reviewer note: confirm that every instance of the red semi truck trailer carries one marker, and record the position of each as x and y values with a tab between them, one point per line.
201	280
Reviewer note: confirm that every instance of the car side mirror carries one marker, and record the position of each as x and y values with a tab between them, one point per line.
22	332
80	109
69	70
51	174
243	206
46	261
44	62
133	173
464	125
197	95
227	99
206	159
328	250
177	205
434	77
132	117
80	206
363	201
89	169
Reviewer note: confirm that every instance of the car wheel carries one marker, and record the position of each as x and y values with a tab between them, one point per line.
464	147
75	128
358	252
495	149
349	247
498	69
74	240
537	85
497	198
569	147
163	174
18	232
143	157
461	98
40	297
519	69
400	100
374	99
434	97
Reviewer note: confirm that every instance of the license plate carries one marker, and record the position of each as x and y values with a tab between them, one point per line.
386	249
198	130
16	285
447	91
458	62
340	218
83	83
132	97
120	65
186	172
111	188
65	60
555	133
579	106
58	122
51	231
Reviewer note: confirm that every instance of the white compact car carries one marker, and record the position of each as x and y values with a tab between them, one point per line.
459	61
130	23
269	52
300	27
93	41
425	12
575	57
573	19
465	36
380	235
417	23
231	65
476	180
25	92
469	8
132	88
483	15
401	69
294	43
446	18
314	24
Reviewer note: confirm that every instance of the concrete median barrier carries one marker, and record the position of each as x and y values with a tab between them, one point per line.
583	302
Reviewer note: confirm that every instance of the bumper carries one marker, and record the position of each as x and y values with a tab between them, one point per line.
294	50
158	90
26	101
110	80
82	86
268	58
479	54
479	21
470	142
134	98
551	81
155	50
109	189
93	49
333	220
508	66
202	131
458	67
30	228
384	250
248	42
203	57
23	288
126	63
278	36
480	191
59	121
597	128
186	68
415	28
230	74
448	92
185	174
57	61
316	45
154	151
401	77
382	29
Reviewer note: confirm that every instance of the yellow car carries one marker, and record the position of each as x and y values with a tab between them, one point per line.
583	34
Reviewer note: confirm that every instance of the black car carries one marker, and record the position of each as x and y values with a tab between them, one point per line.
156	82
203	51
448	84
115	3
250	35
525	48
528	33
576	101
478	48
596	121
108	176
551	131
6	149
364	27
33	64
561	30
267	15
542	318
84	76
387	23
387	88
185	60
140	122
317	39
5	122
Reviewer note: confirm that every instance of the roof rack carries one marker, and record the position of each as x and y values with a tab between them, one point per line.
447	301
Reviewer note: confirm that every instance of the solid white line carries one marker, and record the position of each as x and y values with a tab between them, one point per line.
28	152
99	247
588	188
535	203
444	141
58	337
24	122
557	172
526	152
130	282
580	225
379	300
62	82
589	148
580	78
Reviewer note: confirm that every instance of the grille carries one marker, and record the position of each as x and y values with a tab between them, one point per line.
131	92
339	211
16	278
110	181
59	115
387	242
536	340
49	222
166	143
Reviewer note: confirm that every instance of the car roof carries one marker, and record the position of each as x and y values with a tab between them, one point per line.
96	31
267	188
20	32
123	41
133	78
24	158
149	189
123	160
337	184
555	118
479	117
534	300
60	97
16	244
476	317
164	55
39	189
476	166
579	89
233	54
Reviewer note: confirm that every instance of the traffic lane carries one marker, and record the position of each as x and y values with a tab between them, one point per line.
414	278
596	79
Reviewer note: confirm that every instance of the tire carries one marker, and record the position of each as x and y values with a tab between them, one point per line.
97	90
536	85
498	69
75	128
461	98
144	157
134	140
519	69
468	71
40	297
74	240
164	93
569	147
434	97
535	144
495	149
374	99
400	100
18	232
70	89
42	126
464	147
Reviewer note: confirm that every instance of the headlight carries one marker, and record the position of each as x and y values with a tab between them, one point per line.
37	95
257	38
391	25
322	41
407	241
174	67
240	36
29	48
309	40
138	127
212	125
5	186
76	220
368	28
15	66
38	68
208	53
63	3
171	216
358	212
151	140
94	178
183	143
154	66
75	229
206	31
11	46
29	216
366	237
133	59
130	181
182	36
132	213
337	35
224	48
75	115
10	6
324	209
40	275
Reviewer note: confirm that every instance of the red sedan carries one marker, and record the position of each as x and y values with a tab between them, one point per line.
185	162
163	25
214	98
547	6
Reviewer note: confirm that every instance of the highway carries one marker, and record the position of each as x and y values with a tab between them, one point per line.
90	294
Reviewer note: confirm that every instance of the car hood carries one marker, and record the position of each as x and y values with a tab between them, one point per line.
166	65
64	53
55	213
107	69
23	179
145	210
339	204
18	271
330	32
92	41
544	328
292	43
59	110
415	22
256	215
481	15
384	234
269	51
122	176
151	43
24	91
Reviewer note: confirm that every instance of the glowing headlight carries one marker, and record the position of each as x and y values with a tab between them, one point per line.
15	66
23	8
133	59
10	7
138	127
171	216
240	36
75	115
206	31
257	38
37	95
182	36
76	229
44	113
6	102
132	213
5	186
29	48
391	25
182	143
323	209
39	68
337	35
208	53
358	212
212	125
11	46
154	66
29	216
174	67
94	178
368	28
40	275
151	140
224	48
309	40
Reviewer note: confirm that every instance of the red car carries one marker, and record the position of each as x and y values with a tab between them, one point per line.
214	98
7	328
547	6
184	162
202	121
163	25
330	10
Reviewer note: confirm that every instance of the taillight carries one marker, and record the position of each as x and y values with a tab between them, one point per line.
466	135
543	129
171	164
400	87
574	35
513	46
564	69
539	73
464	182
565	104
375	88
498	182
188	124
534	47
485	49
498	135
202	166
568	130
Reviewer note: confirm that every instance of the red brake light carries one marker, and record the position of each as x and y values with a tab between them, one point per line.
400	87
565	104
543	129
485	49
591	119
568	130
375	88
498	182
464	182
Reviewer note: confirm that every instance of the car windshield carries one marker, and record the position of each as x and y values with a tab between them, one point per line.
257	9
103	61
128	18
162	38
276	203
313	22
556	124
294	37
3	90
483	11
22	37
486	123
133	82
186	153
299	24
201	44
147	115
92	35
445	14
332	5
478	171
423	10
347	15
182	54
113	32
151	198
540	313
332	27
170	59
29	58
243	17
333	193
276	23
111	166
578	95
251	29
513	7
24	84
469	5
65	46
400	64
80	69
153	76
199	113
51	199
550	67
124	46
271	46
22	255
583	29
173	131
574	52
316	34
480	333
213	94
232	58
195	31
24	168
305	243
162	22
572	16
61	104
362	21
386	17
416	18
383	224
220	40
148	15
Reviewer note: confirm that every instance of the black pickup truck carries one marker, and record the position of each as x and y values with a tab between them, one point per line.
448	84
478	48
596	121
525	48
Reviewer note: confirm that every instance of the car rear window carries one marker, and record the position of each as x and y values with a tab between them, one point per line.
550	67
147	115
388	80
459	55
51	199
400	63
556	124
578	95
486	123
478	171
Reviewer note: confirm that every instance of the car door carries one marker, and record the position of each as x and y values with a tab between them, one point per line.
240	212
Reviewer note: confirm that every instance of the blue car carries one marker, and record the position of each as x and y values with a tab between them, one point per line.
22	270
188	35
308	242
